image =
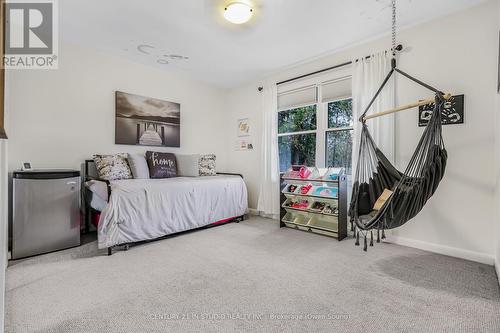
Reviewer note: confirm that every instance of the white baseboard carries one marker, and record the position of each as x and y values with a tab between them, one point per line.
255	212
483	258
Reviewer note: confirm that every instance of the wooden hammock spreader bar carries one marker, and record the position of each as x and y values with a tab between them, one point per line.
446	96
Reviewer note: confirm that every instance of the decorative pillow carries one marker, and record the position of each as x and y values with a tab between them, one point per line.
139	166
112	167
161	165
207	165
188	165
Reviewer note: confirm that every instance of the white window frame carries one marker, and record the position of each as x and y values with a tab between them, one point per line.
321	114
334	129
300	132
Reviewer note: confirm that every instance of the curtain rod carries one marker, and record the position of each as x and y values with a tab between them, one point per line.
398	48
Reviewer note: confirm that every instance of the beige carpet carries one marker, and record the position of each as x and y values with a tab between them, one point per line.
251	277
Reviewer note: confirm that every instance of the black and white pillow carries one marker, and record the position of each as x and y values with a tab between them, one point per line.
112	167
207	165
161	165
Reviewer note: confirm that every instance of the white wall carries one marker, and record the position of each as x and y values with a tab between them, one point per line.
497	164
241	103
4	210
3	226
458	54
59	118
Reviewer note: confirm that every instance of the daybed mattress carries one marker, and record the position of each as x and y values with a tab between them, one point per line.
144	209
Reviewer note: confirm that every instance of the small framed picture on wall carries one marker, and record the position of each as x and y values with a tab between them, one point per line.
243	127
452	113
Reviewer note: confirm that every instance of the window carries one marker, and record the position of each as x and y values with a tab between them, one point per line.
297	136
339	134
315	125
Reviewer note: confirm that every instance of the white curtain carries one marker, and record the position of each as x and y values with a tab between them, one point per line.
269	198
367	76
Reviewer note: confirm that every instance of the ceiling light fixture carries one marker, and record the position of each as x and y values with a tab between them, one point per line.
238	13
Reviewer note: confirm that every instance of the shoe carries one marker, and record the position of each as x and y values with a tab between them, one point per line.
305	189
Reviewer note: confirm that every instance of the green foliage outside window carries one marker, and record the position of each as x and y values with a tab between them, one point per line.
339	143
339	149
340	113
296	120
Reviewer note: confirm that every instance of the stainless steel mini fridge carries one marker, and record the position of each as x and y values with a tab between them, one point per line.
45	211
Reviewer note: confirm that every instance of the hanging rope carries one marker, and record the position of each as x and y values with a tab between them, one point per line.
394	28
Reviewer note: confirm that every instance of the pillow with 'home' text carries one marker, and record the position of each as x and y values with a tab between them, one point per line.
161	165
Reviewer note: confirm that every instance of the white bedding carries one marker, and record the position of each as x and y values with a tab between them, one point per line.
143	209
98	199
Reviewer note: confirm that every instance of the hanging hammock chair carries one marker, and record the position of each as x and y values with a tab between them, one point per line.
383	197
410	189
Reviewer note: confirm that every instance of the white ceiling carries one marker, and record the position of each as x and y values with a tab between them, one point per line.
281	33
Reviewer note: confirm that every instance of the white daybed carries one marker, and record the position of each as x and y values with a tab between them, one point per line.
147	209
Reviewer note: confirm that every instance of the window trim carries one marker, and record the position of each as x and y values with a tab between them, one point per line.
342	98
297	106
297	133
338	129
